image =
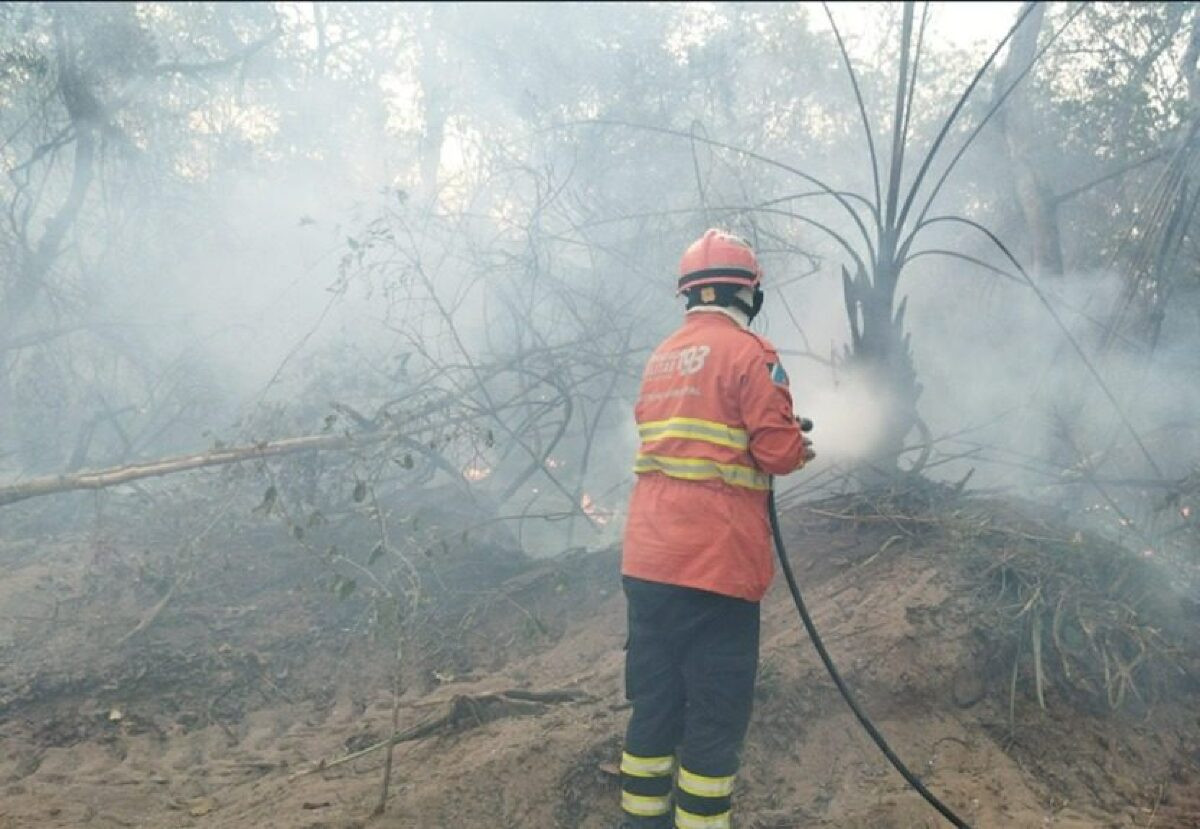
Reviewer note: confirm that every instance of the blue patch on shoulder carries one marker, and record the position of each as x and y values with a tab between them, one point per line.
778	375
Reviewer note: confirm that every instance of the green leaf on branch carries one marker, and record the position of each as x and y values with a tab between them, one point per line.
342	587
268	501
376	554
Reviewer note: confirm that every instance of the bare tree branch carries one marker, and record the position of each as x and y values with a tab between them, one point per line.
206	67
103	478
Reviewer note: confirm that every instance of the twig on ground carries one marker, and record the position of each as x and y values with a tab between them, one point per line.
461	707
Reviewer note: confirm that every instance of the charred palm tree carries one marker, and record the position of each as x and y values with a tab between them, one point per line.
883	232
891	226
896	220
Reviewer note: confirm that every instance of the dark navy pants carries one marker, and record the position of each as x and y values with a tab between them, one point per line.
689	672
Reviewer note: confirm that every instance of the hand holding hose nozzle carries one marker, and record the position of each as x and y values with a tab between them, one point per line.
806	426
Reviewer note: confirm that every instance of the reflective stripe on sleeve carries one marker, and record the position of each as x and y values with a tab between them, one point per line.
702	469
702	786
693	428
646	805
690	820
636	766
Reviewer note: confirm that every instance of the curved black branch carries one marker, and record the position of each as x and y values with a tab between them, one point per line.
538	463
837	237
751	154
1045	301
700	190
993	110
862	108
899	117
966	258
846	193
728	208
750	208
1117	172
953	116
912	81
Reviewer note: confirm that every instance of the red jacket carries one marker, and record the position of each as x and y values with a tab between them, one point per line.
715	420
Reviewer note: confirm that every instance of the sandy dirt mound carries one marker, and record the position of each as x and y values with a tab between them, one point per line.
514	715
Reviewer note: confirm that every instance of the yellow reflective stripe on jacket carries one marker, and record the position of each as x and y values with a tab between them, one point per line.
636	766
702	786
646	805
702	469
693	428
690	820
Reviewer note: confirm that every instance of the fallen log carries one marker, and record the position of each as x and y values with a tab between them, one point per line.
102	478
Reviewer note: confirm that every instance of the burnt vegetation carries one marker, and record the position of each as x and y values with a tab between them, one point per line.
320	326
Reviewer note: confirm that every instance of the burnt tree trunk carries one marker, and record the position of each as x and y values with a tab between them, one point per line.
880	352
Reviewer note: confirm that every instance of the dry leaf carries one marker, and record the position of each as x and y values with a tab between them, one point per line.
201	806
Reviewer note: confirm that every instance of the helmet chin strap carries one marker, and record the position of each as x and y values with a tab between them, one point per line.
750	309
742	299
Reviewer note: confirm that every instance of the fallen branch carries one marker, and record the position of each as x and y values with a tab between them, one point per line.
149	618
462	707
154	612
113	476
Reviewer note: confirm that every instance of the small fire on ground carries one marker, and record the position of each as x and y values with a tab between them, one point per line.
477	472
588	505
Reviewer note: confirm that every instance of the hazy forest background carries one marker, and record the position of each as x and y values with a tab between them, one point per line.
384	276
229	224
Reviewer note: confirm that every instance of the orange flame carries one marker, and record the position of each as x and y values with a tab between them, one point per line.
588	505
476	473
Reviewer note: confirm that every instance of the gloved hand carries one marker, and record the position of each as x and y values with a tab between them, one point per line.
806	426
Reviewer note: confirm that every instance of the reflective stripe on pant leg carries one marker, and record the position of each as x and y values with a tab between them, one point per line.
654	684
701	786
704	800
719	672
690	820
643	805
646	784
647	766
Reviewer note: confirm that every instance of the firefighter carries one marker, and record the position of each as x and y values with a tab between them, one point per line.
715	421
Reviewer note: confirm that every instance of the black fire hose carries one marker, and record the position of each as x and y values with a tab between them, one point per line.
912	779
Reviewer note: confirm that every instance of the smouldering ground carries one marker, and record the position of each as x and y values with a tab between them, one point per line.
264	686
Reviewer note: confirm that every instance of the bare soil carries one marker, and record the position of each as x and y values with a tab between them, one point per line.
220	709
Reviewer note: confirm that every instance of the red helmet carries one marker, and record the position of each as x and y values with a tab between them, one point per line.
718	258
